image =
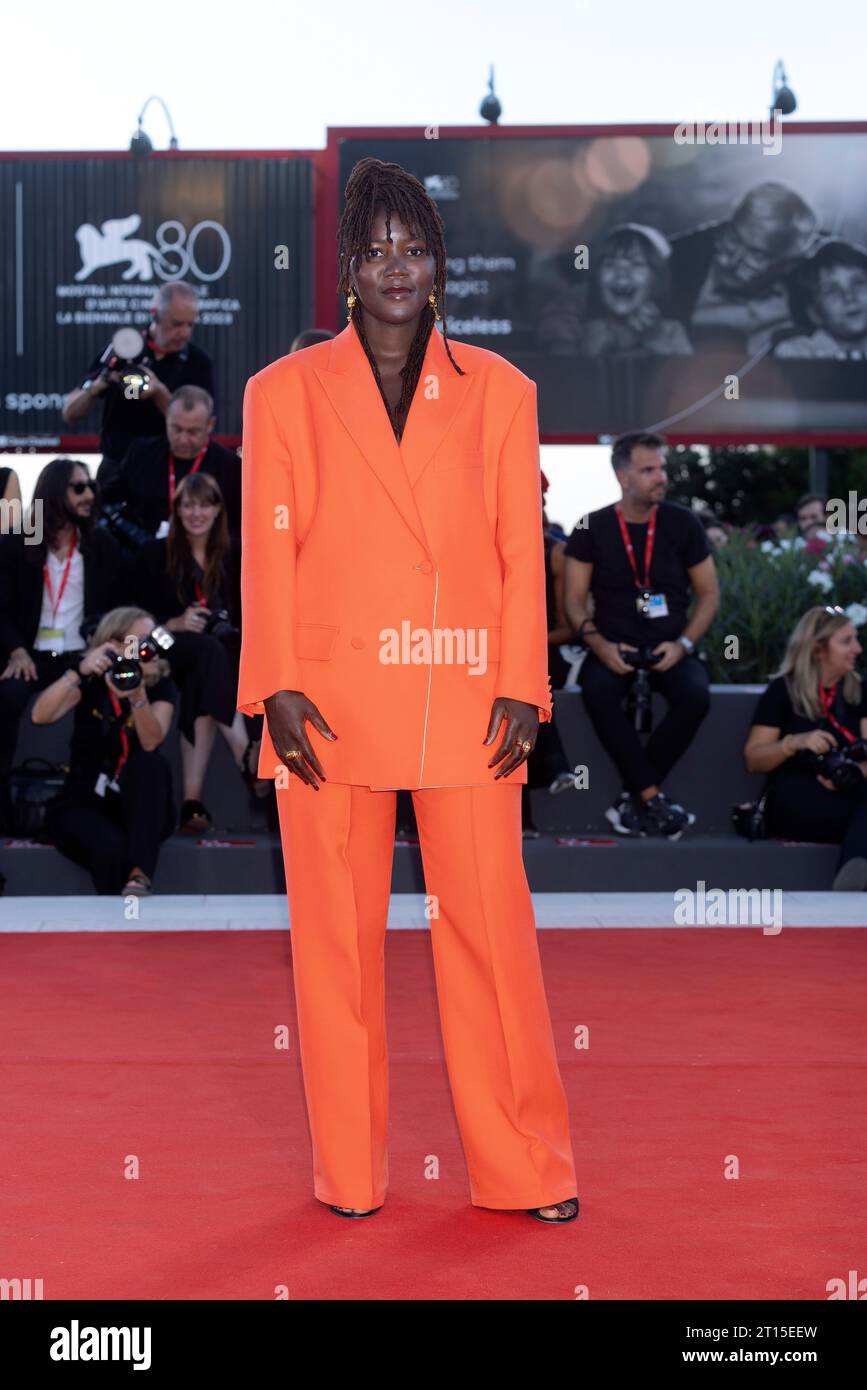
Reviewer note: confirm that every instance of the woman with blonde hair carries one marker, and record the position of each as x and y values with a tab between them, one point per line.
816	705
117	805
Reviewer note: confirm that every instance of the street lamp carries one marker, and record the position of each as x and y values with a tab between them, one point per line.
141	144
782	97
490	109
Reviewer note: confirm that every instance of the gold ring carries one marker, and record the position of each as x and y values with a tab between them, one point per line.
293	753
526	745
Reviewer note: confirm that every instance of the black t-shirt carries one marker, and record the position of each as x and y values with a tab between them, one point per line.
125	420
680	542
142	481
96	744
774	708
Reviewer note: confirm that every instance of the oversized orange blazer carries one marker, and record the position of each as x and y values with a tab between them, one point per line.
347	535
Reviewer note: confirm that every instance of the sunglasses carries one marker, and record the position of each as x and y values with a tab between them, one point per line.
79	488
835	609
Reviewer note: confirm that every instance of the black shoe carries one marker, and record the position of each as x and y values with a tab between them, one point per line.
555	1220
344	1211
666	817
626	815
195	818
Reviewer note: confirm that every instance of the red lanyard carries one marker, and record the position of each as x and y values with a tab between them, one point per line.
47	577
124	740
648	547
827	699
195	468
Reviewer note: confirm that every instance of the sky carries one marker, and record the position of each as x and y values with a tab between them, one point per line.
265	75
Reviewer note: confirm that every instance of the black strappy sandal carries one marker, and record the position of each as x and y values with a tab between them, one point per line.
555	1220
339	1211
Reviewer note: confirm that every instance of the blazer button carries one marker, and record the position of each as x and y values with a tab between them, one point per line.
357	642
425	566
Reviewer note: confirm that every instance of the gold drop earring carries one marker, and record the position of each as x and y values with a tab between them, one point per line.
432	301
351	301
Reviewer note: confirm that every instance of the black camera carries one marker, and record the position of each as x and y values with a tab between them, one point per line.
218	624
127	355
125	672
638	699
116	518
840	765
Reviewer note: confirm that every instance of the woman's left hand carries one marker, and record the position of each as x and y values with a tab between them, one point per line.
522	726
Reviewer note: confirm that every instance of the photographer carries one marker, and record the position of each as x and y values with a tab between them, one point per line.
117	804
147	478
639	558
191	580
49	591
169	360
807	733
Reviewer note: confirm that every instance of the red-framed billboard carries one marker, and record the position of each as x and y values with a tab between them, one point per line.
707	281
88	239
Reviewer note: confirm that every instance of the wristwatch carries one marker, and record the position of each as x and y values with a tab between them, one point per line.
688	644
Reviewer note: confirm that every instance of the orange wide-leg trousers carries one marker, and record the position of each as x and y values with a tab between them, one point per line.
338	846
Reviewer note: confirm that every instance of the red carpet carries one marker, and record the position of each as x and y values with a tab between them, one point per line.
704	1043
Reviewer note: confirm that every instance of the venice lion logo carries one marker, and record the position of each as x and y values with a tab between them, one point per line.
108	245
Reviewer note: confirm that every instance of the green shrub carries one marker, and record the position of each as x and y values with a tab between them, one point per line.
762	596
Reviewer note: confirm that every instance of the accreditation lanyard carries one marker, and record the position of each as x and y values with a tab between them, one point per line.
827	698
648	547
46	576
124	739
195	468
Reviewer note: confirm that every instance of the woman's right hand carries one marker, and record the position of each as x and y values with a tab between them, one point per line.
816	741
99	659
286	713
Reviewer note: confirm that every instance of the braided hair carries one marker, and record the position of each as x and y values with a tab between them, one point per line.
373	184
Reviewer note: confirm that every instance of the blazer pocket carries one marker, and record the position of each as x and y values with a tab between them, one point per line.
314	641
464	459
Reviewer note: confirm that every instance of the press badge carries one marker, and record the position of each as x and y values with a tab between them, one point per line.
102	782
652	605
54	635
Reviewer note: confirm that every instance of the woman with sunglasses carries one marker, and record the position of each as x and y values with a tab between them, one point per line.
816	705
58	573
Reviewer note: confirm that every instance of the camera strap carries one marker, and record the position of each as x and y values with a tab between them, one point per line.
195	468
828	697
124	738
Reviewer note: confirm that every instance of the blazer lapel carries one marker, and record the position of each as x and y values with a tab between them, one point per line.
351	387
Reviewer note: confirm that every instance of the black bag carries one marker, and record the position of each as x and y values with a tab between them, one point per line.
31	788
749	818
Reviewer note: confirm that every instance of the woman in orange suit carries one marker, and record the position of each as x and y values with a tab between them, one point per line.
394	625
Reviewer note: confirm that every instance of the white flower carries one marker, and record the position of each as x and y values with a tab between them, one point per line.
857	614
769	548
821	578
